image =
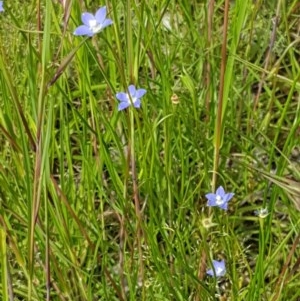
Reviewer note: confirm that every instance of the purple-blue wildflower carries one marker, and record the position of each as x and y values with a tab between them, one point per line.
218	270
1	6
219	199
93	23
133	97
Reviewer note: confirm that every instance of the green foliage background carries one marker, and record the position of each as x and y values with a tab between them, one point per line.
97	204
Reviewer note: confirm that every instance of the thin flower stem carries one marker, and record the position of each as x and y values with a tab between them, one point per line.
121	254
136	197
129	42
210	8
218	128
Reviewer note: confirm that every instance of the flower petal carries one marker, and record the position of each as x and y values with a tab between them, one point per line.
106	23
140	93
101	14
87	18
132	90
211	196
224	206
123	105
137	103
83	30
212	203
210	272
219	269
228	196
220	191
122	96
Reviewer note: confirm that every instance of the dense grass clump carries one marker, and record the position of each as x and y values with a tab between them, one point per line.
152	154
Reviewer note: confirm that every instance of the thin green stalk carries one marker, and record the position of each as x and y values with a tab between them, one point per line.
136	196
4	266
40	155
220	104
210	13
130	47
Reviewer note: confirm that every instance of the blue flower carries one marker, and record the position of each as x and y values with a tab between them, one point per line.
93	24
1	6
220	198
132	98
218	270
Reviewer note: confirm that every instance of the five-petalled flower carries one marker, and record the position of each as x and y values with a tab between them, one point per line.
132	97
1	6
218	270
93	23
219	199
